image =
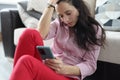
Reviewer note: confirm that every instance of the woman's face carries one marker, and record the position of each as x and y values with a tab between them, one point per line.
68	13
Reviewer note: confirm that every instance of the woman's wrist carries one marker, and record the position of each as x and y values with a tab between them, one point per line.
52	2
72	70
51	5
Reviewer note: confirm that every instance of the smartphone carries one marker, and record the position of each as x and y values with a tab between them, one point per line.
45	52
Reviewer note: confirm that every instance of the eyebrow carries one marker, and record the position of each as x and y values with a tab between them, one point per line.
66	11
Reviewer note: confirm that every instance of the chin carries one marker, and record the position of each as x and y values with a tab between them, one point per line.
71	26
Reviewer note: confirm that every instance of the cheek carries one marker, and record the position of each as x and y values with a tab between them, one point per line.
75	14
74	18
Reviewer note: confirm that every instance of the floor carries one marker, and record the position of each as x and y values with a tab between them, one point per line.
5	65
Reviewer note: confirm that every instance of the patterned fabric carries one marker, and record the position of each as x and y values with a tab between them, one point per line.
108	14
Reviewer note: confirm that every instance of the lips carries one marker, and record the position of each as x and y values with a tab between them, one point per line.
69	24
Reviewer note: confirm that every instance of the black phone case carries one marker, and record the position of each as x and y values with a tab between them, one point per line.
45	52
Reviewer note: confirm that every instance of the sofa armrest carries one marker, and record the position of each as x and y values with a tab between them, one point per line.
9	21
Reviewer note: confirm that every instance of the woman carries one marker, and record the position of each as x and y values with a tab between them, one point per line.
77	41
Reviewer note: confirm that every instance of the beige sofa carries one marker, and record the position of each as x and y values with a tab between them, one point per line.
111	52
0	37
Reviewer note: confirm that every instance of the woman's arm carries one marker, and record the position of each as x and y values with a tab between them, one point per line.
44	22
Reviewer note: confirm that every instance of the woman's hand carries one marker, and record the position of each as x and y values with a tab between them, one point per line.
53	2
56	64
59	67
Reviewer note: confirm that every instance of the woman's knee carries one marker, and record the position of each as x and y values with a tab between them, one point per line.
29	32
31	35
24	58
28	61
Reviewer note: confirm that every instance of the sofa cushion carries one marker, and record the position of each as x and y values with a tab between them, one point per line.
19	31
17	34
108	14
29	18
111	52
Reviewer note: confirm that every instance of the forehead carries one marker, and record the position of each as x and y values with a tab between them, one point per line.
62	7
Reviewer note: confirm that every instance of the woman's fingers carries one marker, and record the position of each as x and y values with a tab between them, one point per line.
54	63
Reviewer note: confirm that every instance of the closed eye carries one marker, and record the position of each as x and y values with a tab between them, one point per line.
68	13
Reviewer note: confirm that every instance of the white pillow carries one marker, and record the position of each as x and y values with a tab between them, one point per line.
38	5
28	20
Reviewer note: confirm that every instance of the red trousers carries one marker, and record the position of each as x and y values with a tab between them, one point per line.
27	62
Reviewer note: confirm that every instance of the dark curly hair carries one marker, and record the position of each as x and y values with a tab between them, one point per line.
84	30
